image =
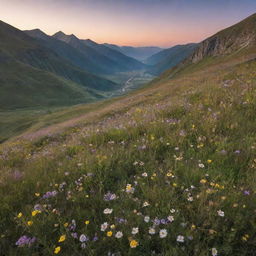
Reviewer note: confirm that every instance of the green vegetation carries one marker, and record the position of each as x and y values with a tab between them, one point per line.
175	160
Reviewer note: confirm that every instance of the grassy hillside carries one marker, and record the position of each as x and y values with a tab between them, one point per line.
175	160
33	75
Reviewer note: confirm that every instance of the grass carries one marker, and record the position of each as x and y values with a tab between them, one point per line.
177	157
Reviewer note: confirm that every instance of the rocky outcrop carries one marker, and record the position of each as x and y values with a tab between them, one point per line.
227	41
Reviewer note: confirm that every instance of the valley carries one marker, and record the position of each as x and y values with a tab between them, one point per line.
149	153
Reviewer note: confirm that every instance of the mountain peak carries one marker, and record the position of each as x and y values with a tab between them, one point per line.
37	33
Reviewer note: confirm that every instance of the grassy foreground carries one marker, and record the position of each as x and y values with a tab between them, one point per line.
170	172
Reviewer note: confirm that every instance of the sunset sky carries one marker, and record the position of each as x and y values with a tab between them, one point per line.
128	22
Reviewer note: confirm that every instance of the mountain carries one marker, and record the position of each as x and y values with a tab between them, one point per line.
229	40
33	73
66	51
103	59
174	161
139	53
234	44
169	58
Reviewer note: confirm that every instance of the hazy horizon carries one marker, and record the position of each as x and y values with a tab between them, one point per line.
162	23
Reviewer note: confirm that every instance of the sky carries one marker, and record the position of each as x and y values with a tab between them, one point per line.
161	23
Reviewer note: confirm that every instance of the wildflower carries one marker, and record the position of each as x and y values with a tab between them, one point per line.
34	213
74	235
172	211
180	239
30	223
50	194
144	174
245	237
57	250
129	189
109	196
190	199
193	227
247	192
151	231
163	233
147	219
214	252
201	165
170	218
108	211
83	238
221	213
87	222
169	174
134	244
209	161
145	204
65	224
135	231
203	181
62	238
104	226
25	241
109	233
119	234
112	226
37	194
19	215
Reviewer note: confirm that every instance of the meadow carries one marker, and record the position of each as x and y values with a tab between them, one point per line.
167	170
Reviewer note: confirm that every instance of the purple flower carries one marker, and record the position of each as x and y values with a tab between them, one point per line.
247	192
50	194
163	221
156	221
109	196
74	235
25	241
95	238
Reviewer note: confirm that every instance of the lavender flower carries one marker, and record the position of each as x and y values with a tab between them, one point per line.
25	241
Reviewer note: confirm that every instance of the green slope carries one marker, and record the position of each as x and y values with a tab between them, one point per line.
171	167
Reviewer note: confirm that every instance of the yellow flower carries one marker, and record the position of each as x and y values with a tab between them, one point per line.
203	181
245	237
30	223
34	213
112	226
19	215
65	224
209	161
174	184
86	222
109	233
37	194
57	250
169	174
134	244
62	238
193	227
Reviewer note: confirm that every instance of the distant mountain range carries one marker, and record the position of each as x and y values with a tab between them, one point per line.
139	53
41	70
